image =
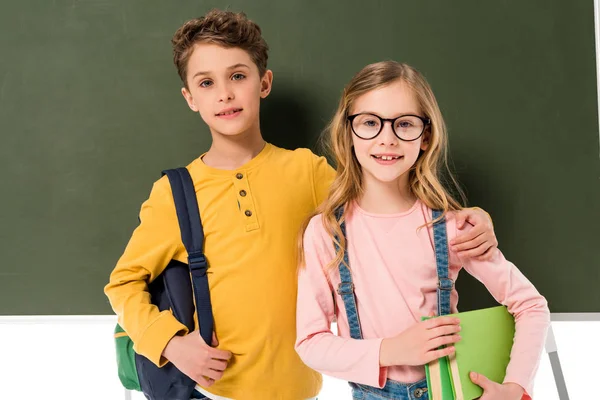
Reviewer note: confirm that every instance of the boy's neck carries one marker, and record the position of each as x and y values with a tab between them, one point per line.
231	152
386	197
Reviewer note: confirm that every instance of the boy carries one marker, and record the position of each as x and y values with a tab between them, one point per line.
253	198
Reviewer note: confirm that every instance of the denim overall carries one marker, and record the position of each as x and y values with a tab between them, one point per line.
393	389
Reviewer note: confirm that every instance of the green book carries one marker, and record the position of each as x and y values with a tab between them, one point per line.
439	380
487	339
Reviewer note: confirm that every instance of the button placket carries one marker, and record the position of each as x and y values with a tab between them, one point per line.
244	198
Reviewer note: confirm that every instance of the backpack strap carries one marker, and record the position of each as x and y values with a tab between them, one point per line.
445	284
192	236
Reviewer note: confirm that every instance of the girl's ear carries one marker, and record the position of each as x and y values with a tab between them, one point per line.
426	138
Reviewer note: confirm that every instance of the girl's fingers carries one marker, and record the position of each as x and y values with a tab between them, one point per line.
436	354
443	331
443	340
482	381
440	321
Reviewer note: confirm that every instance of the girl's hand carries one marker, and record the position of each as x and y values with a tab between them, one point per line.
418	345
480	241
496	391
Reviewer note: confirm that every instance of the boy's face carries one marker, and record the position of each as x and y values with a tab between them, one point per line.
225	88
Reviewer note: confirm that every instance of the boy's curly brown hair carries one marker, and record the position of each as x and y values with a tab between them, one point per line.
225	28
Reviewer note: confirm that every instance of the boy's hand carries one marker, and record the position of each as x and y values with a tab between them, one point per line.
418	345
480	241
192	356
496	391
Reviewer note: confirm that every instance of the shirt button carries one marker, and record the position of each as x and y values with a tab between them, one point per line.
248	213
239	176
243	193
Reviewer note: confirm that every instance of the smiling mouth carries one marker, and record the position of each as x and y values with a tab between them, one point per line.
386	158
230	112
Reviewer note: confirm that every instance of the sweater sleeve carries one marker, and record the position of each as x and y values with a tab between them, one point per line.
151	246
511	288
343	358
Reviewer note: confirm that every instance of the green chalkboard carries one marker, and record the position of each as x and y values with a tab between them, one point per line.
90	113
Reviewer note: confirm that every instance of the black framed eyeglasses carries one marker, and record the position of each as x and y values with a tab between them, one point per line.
406	127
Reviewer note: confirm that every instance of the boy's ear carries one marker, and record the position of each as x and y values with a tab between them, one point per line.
189	99
266	83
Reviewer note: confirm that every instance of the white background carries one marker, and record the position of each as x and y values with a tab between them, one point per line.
73	358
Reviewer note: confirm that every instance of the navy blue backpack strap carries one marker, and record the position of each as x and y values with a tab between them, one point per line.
192	236
346	287
445	284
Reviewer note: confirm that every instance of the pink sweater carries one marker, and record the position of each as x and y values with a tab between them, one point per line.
394	273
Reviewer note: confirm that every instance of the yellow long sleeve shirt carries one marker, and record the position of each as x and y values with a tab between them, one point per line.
251	218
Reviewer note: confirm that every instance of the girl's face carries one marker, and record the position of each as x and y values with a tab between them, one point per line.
386	158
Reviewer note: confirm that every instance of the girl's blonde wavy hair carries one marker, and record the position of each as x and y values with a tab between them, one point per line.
425	177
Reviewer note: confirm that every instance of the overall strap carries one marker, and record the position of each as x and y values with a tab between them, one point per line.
445	284
346	287
192	236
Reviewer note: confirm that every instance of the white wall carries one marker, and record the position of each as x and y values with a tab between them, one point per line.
72	358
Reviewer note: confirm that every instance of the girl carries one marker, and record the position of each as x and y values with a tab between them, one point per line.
374	259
